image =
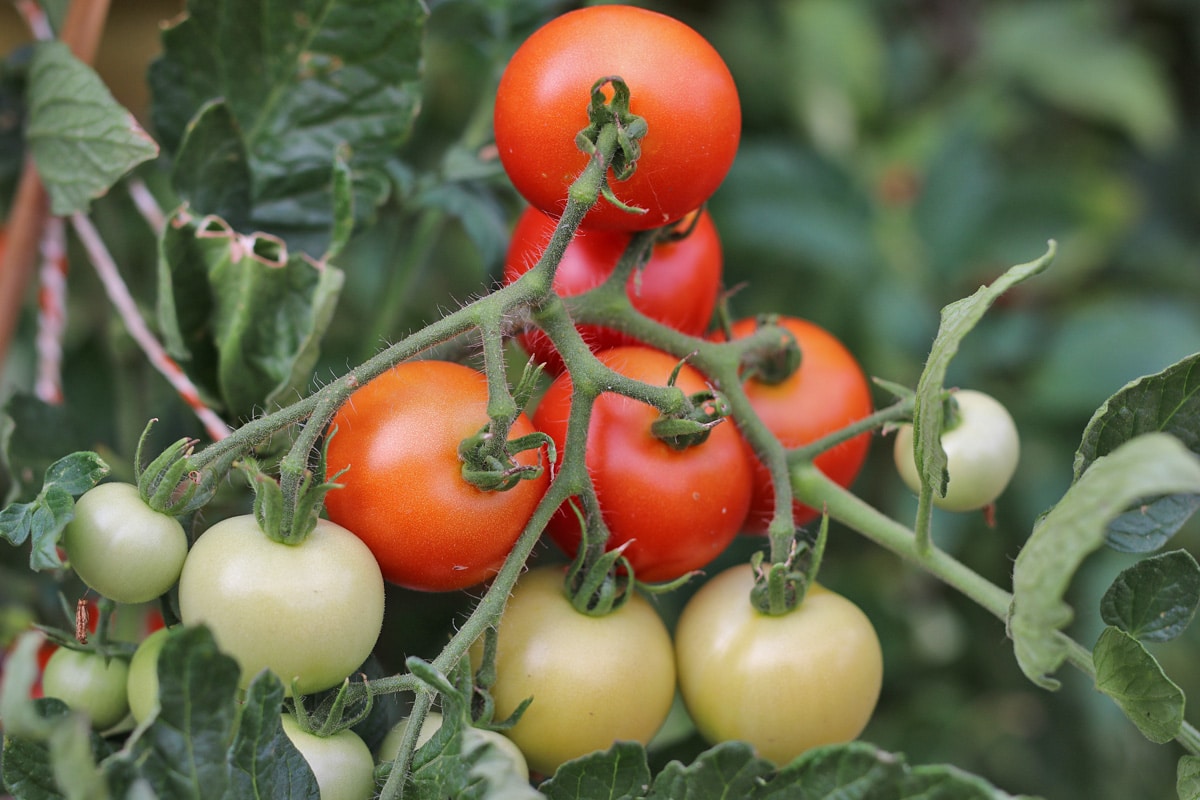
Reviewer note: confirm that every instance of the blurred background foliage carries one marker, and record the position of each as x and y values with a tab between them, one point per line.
896	154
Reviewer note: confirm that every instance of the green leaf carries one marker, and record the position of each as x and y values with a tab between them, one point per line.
854	771
1187	779
1064	53
43	519
945	782
1155	599
1167	401
728	770
620	771
211	170
27	770
183	752
1132	677
1150	465
264	762
81	140
300	80
957	320
241	317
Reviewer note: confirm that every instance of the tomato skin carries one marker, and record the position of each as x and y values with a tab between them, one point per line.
142	681
677	509
679	84
341	763
389	748
89	683
403	493
827	392
982	452
577	669
784	684
312	610
122	548
677	287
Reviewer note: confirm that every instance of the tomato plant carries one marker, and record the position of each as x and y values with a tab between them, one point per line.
676	510
982	449
342	763
687	267
309	612
827	392
403	492
785	684
89	682
578	669
122	548
679	84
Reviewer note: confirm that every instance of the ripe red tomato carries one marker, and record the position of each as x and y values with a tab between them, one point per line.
678	83
827	392
404	494
677	287
677	509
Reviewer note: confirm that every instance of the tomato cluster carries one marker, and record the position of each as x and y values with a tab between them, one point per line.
405	452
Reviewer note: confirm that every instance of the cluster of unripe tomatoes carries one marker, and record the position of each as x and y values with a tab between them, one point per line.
311	611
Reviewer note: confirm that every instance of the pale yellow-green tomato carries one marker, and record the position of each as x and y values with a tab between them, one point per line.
90	683
390	746
143	675
785	684
593	680
341	763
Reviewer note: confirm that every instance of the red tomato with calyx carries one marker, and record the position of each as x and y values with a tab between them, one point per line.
403	492
678	83
677	509
827	392
678	286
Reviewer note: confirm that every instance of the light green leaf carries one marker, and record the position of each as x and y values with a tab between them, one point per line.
728	770
1135	681
957	320
82	141
1187	778
44	519
1147	466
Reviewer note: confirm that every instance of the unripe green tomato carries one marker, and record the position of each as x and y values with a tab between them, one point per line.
121	547
982	450
143	675
389	748
785	684
87	682
342	762
310	611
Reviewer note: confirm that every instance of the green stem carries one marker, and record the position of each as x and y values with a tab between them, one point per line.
896	412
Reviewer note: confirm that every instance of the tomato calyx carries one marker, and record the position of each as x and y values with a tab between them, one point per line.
271	507
489	457
775	363
691	426
779	587
599	586
613	133
334	713
169	483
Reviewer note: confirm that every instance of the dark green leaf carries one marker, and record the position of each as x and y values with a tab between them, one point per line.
621	771
943	782
242	318
1167	401
1132	677
728	770
183	752
81	139
1155	599
27	770
300	80
1187	778
59	761
855	771
211	171
1151	464
264	762
481	216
